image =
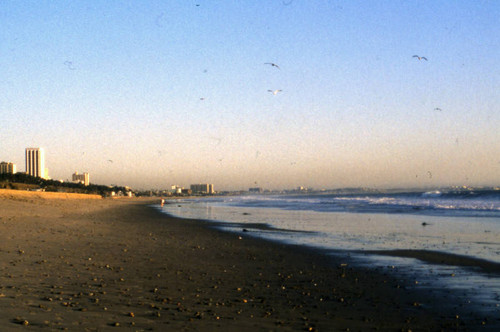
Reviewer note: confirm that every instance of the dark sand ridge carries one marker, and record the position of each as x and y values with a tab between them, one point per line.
102	264
437	257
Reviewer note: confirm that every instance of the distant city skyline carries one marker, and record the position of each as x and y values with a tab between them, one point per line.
149	94
35	159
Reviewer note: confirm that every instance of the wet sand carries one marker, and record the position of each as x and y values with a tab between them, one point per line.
107	264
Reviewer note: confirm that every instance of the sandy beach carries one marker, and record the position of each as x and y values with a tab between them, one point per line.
68	263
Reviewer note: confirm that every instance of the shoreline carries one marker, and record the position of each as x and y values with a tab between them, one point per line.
433	256
98	264
424	255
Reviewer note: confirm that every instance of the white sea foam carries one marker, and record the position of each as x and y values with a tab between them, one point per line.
435	193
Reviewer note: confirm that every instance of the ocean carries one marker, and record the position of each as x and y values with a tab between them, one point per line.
373	229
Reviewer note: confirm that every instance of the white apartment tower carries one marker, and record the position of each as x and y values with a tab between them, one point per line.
35	162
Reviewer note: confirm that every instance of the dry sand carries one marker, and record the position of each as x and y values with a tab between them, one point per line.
117	264
30	196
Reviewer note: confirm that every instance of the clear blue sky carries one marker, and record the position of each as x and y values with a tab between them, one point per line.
176	92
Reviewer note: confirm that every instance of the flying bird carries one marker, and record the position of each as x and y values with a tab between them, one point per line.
159	19
69	64
420	57
272	64
218	139
438	109
274	92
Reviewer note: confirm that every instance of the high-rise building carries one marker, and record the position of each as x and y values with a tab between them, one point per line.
9	168
81	178
35	162
204	188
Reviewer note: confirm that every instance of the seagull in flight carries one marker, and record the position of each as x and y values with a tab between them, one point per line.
69	64
274	92
272	64
420	57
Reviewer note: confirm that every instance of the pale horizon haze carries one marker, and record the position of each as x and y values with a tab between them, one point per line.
150	94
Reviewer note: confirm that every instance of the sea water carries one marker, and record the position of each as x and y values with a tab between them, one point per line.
456	222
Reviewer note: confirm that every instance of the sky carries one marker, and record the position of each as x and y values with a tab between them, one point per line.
157	93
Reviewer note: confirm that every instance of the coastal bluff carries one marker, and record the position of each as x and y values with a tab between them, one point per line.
23	195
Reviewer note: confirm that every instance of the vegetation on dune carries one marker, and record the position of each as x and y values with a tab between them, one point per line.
21	181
